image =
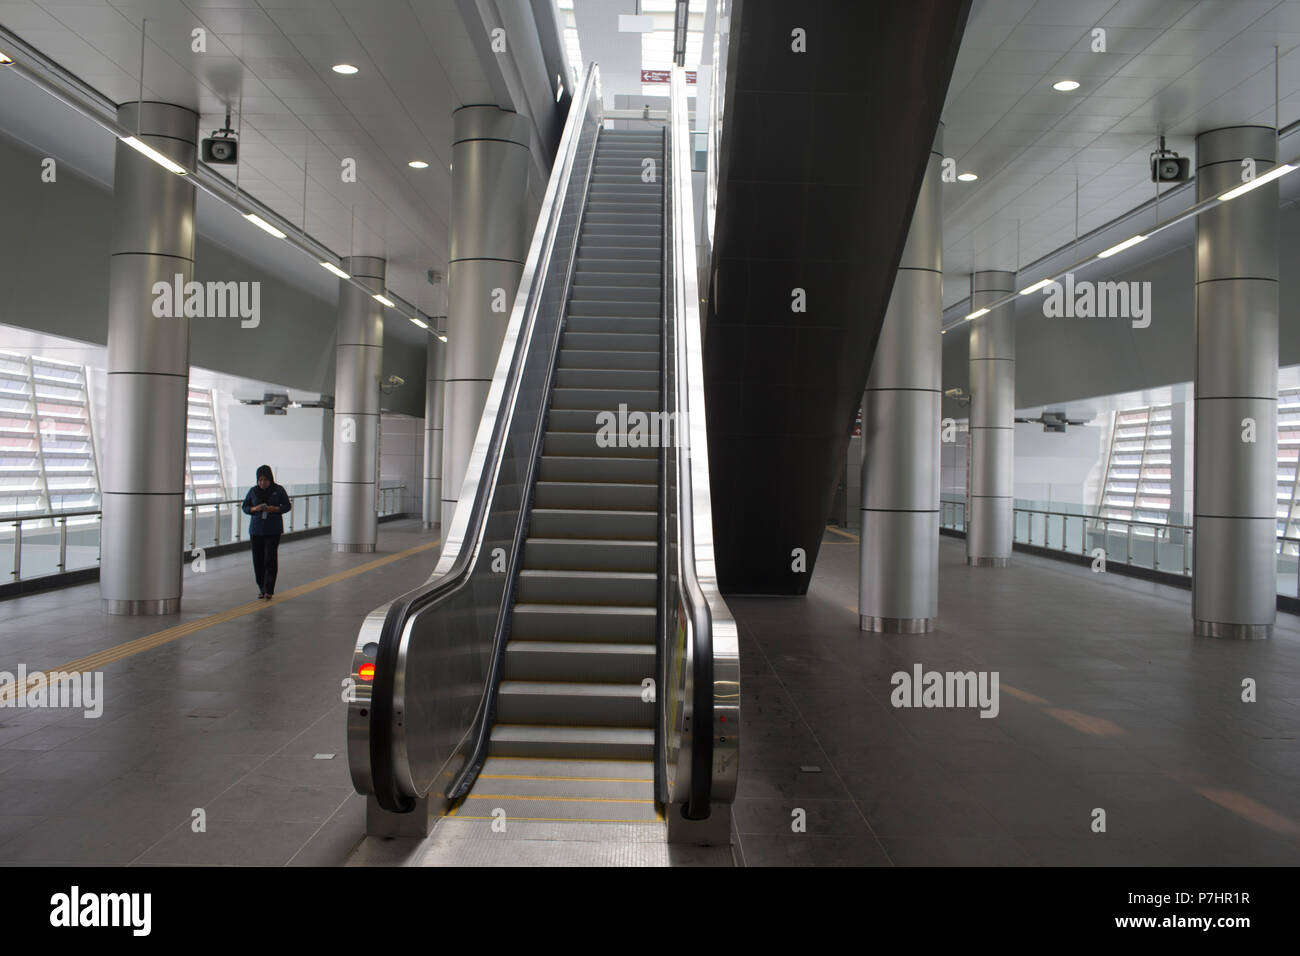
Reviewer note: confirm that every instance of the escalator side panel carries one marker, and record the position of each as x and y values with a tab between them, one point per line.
821	158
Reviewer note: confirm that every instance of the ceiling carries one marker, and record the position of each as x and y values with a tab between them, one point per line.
271	59
1175	66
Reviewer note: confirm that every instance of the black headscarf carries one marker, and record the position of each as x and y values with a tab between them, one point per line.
263	494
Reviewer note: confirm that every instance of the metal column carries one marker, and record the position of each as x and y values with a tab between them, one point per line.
490	162
899	565
143	491
1234	537
435	356
992	422
358	364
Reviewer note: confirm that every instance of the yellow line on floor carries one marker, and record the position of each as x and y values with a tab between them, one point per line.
523	776
520	796
562	820
842	534
167	635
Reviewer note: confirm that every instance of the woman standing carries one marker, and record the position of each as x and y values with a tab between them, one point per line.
266	501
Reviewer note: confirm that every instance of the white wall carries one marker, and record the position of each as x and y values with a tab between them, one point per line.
1055	467
401	457
291	444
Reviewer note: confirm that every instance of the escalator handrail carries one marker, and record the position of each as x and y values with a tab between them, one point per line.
463	539
697	575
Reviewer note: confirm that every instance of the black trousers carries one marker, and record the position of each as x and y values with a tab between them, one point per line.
265	565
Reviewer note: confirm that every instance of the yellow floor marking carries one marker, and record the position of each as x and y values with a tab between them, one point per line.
516	796
842	534
571	759
1248	809
167	635
523	776
1023	694
562	820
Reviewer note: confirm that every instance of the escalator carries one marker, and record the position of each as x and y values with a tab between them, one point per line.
571	660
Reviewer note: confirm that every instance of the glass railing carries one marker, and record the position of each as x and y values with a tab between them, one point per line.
1154	545
37	545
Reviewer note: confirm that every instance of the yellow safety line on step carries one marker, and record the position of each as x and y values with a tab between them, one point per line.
519	796
564	820
523	776
167	635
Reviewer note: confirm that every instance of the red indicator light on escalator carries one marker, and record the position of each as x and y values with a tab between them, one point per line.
366	671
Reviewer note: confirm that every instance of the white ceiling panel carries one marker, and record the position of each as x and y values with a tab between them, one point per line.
1174	66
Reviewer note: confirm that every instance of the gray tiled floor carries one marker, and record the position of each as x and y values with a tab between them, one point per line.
1186	772
228	719
1107	701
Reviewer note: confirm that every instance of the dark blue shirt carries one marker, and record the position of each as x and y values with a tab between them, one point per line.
262	522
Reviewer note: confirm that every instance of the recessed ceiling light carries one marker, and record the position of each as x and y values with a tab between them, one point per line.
1065	86
347	69
336	270
384	299
418	164
968	177
5	58
420	322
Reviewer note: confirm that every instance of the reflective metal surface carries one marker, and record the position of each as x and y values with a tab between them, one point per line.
358	367
699	630
992	426
1237	315
148	366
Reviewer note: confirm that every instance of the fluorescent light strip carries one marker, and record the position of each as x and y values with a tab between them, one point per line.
1277	172
976	314
157	157
262	224
423	325
331	267
386	301
5	58
1040	284
1120	247
441	337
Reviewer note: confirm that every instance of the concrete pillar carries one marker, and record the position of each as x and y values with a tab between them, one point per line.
358	364
435	356
1234	561
899	568
488	245
143	483
992	422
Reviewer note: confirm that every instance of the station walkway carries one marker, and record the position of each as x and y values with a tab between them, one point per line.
242	717
1106	701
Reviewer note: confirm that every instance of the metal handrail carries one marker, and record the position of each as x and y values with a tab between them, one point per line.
59	519
707	754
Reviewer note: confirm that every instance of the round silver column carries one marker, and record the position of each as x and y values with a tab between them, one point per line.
992	422
143	483
1234	537
358	364
488	245
899	551
435	356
